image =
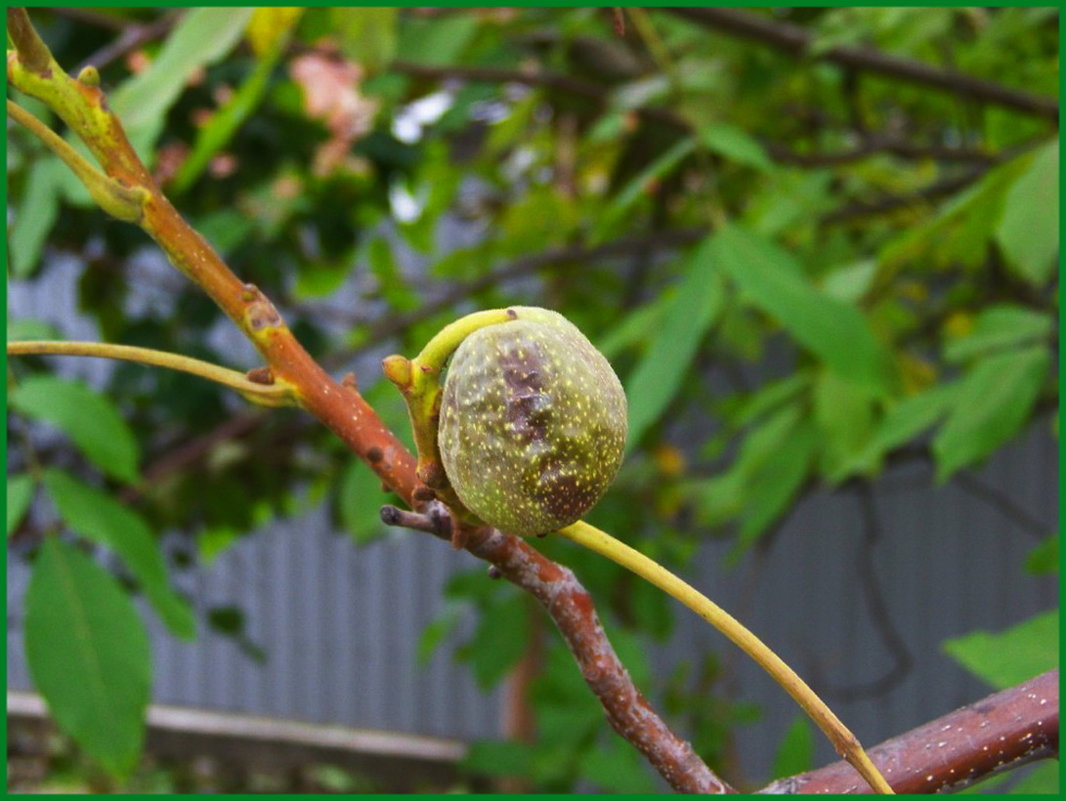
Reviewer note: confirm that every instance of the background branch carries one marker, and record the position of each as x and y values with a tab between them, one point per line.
797	41
998	733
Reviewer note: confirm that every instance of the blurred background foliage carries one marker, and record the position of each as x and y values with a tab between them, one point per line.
803	271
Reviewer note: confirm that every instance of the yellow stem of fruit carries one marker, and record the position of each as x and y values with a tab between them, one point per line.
846	744
419	381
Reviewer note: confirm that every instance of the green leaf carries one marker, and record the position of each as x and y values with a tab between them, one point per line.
844	412
961	230
19	495
850	282
367	35
769	397
636	327
392	285
224	123
616	767
435	632
99	517
992	403
1028	231
1042	779
1043	559
1011	656
359	500
907	419
202	37
88	654
34	216
657	377
795	753
89	419
29	328
638	187
999	327
438	41
834	331
497	758
213	540
772	463
499	642
773	486
736	145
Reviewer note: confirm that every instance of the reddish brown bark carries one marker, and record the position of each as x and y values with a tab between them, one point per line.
570	606
998	733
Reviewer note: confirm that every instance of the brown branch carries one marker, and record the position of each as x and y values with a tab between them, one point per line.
797	41
999	733
572	610
555	80
597	93
919	199
875	145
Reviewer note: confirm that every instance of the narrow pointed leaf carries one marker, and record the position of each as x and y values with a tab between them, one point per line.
19	495
684	322
834	331
1028	231
100	518
88	418
992	403
88	655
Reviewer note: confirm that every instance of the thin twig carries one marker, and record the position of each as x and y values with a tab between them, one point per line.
918	199
875	602
1003	503
797	41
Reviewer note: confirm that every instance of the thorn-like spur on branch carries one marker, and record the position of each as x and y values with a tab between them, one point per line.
998	733
434	519
797	41
570	606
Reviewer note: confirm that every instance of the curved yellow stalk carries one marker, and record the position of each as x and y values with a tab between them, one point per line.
846	744
277	393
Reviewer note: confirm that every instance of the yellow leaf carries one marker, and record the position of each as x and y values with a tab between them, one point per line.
268	24
916	373
669	460
958	324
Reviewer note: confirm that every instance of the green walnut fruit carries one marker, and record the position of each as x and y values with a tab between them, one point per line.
532	423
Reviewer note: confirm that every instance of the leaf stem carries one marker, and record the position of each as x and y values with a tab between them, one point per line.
846	744
419	381
122	202
275	393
